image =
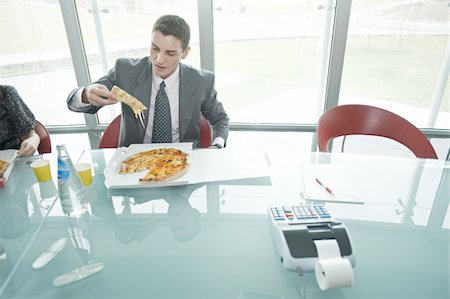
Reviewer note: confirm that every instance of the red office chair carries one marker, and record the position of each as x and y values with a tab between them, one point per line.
367	120
205	133
45	147
110	138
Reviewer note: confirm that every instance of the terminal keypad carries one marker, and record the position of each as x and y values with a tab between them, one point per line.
300	213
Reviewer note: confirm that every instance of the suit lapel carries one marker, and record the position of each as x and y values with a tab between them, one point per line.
187	99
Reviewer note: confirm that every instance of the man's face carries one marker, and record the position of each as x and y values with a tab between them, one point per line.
166	52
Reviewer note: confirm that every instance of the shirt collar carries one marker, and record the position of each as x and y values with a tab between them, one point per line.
171	82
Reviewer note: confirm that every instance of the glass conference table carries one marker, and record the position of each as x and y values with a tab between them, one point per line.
213	239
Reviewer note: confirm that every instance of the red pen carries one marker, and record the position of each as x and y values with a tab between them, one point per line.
325	187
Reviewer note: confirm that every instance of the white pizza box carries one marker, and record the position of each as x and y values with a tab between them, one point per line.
215	165
8	156
206	165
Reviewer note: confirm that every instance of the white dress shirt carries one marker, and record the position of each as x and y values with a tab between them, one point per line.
172	90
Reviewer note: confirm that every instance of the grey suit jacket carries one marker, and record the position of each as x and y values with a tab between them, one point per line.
197	96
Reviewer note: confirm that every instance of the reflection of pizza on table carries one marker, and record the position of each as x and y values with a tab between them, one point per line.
3	166
162	164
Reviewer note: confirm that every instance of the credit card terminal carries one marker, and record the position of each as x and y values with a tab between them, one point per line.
296	228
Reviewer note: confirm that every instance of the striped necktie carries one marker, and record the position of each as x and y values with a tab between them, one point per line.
162	122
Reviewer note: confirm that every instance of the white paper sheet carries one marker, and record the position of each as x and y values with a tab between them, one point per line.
341	183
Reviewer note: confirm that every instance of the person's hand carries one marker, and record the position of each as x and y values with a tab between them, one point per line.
97	95
29	145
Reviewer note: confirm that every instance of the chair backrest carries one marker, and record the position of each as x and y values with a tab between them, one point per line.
368	120
110	138
205	133
45	146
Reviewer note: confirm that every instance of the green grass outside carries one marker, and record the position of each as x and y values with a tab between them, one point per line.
402	70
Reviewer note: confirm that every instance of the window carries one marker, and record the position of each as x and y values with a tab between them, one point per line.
397	58
35	59
271	59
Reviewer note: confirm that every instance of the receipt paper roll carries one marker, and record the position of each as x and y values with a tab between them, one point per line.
332	271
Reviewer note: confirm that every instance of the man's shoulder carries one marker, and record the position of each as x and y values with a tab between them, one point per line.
132	62
126	68
195	73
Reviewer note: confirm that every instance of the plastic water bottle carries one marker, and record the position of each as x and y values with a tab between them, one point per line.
70	189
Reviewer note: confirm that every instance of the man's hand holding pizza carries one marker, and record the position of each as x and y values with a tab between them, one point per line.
97	95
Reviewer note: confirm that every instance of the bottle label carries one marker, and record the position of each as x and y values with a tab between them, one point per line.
63	171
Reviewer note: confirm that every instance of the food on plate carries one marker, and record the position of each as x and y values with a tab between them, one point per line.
162	164
124	97
3	166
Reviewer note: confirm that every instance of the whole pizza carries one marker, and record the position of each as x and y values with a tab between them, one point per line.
163	164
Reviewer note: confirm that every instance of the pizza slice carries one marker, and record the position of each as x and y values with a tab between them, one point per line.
166	171
3	166
126	98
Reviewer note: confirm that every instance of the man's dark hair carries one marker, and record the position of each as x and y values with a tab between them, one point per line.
176	26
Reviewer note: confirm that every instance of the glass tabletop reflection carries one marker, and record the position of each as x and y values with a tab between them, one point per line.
213	239
24	205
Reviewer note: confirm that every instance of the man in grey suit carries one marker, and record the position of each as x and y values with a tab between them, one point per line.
190	92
